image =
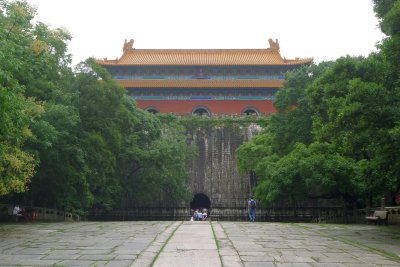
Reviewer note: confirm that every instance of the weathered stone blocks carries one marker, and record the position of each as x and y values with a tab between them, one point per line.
214	171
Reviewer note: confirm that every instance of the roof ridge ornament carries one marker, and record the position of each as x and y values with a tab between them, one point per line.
128	46
274	46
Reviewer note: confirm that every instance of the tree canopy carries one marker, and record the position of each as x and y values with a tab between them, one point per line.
335	134
73	139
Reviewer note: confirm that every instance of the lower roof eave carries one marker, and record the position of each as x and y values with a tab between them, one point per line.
200	83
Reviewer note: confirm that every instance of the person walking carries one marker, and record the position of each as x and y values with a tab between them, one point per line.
251	205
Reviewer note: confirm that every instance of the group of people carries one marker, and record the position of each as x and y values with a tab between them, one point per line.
21	214
199	215
18	213
202	214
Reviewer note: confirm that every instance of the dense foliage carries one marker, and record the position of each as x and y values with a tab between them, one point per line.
73	139
336	132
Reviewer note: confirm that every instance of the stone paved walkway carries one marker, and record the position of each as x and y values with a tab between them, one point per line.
198	244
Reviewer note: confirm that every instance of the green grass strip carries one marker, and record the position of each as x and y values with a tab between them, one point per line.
163	246
357	244
231	243
216	243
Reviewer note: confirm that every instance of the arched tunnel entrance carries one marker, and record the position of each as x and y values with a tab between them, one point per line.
200	201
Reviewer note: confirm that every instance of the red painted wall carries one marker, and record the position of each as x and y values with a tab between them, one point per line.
215	106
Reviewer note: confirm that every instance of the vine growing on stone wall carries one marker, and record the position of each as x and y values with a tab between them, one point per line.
195	122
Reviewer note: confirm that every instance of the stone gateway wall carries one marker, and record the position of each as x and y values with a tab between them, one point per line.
213	175
214	171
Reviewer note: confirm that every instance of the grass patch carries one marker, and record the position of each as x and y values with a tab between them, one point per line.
216	243
357	244
163	246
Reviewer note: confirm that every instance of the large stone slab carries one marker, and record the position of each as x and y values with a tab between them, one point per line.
192	244
231	244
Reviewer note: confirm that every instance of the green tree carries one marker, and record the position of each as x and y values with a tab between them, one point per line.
90	144
131	156
269	153
389	13
16	111
349	108
16	164
60	180
355	112
36	69
161	171
307	172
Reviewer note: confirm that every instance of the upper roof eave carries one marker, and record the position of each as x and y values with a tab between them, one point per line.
197	63
202	57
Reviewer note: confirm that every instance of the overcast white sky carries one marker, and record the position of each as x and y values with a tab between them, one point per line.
322	29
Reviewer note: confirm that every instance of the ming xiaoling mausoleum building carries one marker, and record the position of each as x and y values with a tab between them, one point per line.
209	82
202	81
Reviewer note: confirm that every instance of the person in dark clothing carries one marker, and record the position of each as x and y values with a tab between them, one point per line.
251	205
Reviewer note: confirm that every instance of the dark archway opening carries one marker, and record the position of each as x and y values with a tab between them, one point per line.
200	201
250	111
152	110
201	112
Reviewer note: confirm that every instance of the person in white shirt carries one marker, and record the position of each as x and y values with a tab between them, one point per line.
17	213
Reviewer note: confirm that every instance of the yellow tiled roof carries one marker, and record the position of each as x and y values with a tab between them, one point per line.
195	57
200	83
201	57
